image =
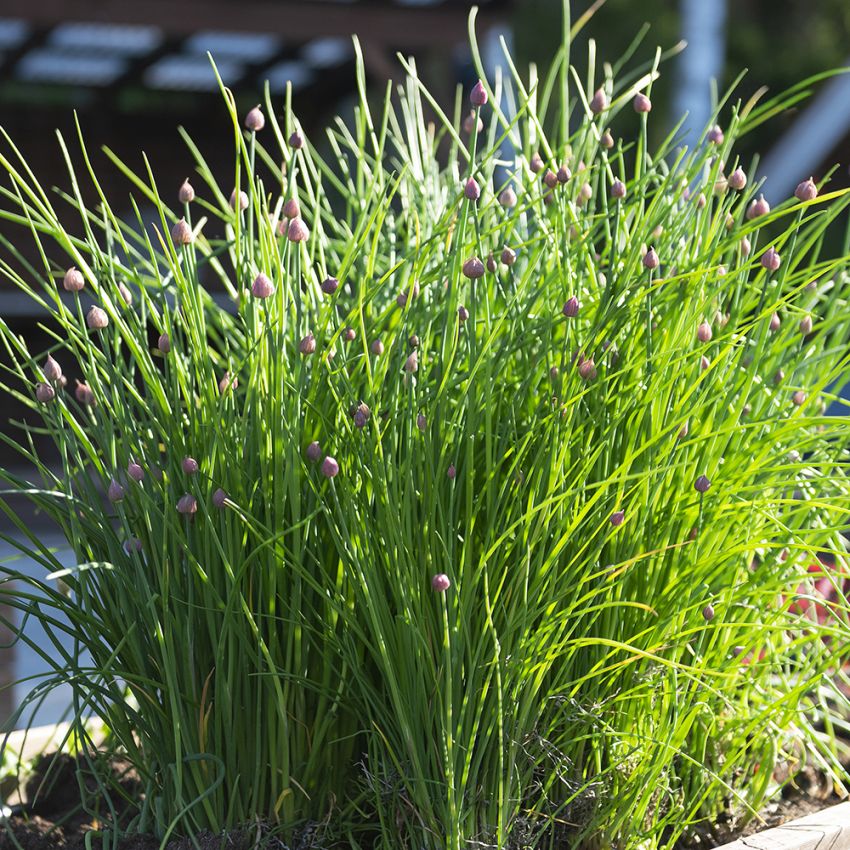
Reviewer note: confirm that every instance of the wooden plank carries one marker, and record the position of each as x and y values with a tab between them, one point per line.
825	830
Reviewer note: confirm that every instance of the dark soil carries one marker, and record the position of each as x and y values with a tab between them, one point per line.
52	817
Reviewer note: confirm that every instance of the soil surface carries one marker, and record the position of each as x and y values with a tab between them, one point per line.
53	817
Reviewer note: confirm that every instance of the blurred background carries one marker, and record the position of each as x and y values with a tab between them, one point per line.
133	70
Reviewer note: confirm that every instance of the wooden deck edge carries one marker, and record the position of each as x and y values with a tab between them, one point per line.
828	829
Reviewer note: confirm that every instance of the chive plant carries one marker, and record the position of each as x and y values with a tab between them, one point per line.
482	513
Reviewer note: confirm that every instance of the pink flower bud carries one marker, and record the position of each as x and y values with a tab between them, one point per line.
135	471
702	484
262	287
617	518
607	140
805	326
618	189
73	280
189	466
421	422
243	200
471	189
550	178
492	265
219	498
291	209
708	612
806	191
186	193
308	344
758	208
440	583
704	363
770	259
553	373
737	179
297	231
181	233
704	332
471	124
587	369
187	504
715	135
507	197
779	377
296	141
255	120
701	201
462	313
412	362
330	285
508	256
536	163
52	370
585	193
314	452
650	259
451	472
97	319
164	343
44	393
571	307
377	348
599	102
683	431
745	247
84	395
473	268
349	335
642	103
124	292
330	468
775	322
478	95
115	492
227	383
563	175
798	398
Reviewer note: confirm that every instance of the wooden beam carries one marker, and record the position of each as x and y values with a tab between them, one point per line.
395	26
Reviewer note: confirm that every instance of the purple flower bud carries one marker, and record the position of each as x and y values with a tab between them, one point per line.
412	362
44	392
186	193
745	247
73	280
227	383
135	471
617	518
507	197
553	373
462	313
805	326
164	343
243	200
262	287
471	190
758	208
377	348
330	285
779	377
642	103
440	583
52	370
349	335
715	135
297	231
219	498
618	189
770	259
599	102
291	209
587	369
97	319
704	363
775	322
115	492
181	233
806	191
124	292
314	452
478	95
536	163
187	504
607	140
563	175
550	178
704	332
473	268
84	395
701	201
492	265
451	472
571	307
708	612
189	466
585	193
683	431
508	256
472	125
308	344
421	422
737	179
650	259
132	544
798	398
330	467
702	484
296	141
255	120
